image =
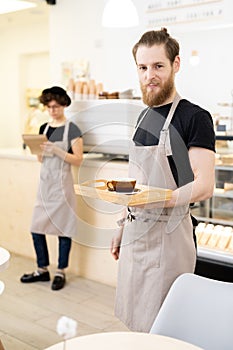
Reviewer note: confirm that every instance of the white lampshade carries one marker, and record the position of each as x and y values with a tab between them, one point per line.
7	6
120	14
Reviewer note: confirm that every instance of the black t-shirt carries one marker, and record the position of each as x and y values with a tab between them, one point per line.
191	126
56	134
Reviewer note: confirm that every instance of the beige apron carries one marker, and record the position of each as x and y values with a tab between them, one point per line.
55	208
157	245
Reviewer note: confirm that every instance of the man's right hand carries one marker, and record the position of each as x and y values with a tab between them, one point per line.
115	244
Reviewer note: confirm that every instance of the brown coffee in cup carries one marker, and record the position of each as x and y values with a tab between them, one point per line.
122	184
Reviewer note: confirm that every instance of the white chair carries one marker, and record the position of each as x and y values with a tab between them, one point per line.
198	310
2	286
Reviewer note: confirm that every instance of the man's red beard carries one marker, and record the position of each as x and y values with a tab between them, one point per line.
151	98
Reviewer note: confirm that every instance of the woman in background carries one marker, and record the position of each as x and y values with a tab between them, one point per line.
55	208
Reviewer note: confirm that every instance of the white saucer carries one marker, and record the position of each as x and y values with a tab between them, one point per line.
136	190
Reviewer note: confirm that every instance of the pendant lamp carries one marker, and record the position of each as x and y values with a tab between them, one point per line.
120	14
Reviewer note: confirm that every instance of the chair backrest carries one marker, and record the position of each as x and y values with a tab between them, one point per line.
198	310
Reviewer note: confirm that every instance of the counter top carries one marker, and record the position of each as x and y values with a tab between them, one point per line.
90	159
17	153
101	161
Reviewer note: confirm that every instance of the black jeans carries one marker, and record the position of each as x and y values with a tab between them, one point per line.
41	248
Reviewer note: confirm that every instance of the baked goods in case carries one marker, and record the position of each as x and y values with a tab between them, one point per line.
206	234
215	236
199	231
225	238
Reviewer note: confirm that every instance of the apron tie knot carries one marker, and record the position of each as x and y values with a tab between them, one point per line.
130	216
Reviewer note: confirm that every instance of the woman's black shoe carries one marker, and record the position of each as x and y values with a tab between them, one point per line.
58	282
35	277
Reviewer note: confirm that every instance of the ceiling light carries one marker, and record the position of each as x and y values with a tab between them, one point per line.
7	6
120	14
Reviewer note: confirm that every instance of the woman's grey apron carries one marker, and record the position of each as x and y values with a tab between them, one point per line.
55	208
157	245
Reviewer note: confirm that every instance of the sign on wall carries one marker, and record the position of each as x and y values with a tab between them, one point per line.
190	14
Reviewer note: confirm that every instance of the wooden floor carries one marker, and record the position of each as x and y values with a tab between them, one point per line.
29	312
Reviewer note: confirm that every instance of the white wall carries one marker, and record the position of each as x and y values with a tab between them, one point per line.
109	51
74	32
18	37
211	81
81	36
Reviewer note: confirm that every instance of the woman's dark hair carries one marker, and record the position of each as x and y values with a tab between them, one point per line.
159	37
55	93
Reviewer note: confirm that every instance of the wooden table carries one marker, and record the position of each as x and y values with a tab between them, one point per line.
4	259
124	341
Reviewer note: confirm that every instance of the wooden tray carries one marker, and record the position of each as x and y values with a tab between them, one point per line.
142	195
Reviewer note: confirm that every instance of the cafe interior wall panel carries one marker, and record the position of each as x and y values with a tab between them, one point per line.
20	37
97	222
90	255
18	190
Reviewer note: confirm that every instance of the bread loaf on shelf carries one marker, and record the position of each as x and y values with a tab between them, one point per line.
206	234
230	244
225	238
217	237
199	231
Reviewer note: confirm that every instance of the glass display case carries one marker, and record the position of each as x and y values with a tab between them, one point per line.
215	218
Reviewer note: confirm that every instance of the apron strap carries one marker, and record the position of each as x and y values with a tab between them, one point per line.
66	130
65	133
46	129
146	111
164	139
171	112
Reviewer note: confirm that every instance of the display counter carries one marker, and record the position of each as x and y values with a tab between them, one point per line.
90	256
215	229
97	220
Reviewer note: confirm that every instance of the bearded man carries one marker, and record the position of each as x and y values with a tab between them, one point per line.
173	147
